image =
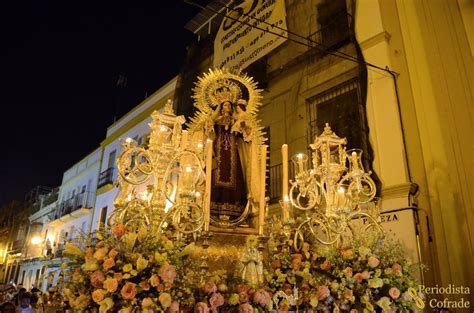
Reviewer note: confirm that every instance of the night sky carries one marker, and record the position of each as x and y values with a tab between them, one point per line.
59	64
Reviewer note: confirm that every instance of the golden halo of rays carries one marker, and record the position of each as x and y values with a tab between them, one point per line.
205	101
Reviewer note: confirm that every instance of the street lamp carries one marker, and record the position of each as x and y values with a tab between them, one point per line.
36	240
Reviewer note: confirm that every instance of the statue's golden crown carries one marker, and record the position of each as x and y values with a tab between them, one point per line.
225	90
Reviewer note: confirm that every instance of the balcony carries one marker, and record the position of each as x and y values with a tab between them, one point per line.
77	206
106	177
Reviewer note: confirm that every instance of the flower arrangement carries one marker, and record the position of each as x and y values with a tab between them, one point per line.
128	270
367	274
226	293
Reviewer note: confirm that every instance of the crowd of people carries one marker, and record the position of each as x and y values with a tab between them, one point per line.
16	299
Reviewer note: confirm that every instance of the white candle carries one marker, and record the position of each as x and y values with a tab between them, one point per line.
184	139
340	197
263	168
300	163
284	156
207	195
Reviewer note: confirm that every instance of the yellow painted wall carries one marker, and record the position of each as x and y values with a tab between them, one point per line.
428	45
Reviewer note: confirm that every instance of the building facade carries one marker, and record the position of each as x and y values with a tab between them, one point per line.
394	78
133	125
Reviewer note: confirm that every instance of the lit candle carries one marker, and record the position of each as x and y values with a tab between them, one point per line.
188	176
300	162
284	155
207	195
263	168
340	197
184	139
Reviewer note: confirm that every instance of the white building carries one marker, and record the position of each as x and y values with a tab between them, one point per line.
38	243
132	125
72	217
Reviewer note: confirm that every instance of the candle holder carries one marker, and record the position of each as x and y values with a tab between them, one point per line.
172	171
335	191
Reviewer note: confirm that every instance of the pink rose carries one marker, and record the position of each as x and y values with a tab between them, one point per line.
394	293
373	262
347	271
348	294
323	292
210	287
242	288
347	254
365	275
243	297
98	295
97	279
144	285
110	284
201	307
245	308
262	297
167	273
118	276
147	302
154	280
165	299
358	278
326	265
174	307
216	300
128	291
297	261
118	230
397	268
108	263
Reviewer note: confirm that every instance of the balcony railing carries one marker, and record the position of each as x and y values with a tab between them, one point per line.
276	177
79	201
106	177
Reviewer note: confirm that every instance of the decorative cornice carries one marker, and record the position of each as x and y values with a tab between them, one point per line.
396	191
376	39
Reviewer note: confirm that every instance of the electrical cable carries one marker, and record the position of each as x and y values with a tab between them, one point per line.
321	47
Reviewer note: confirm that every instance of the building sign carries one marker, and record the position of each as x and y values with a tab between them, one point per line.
244	35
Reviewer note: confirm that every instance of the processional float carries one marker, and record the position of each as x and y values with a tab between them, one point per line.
211	177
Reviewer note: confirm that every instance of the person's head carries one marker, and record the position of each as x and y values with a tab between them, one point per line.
25	300
34	299
226	107
8	307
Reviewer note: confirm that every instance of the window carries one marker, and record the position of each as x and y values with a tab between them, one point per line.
37	278
342	108
111	162
103	217
334	23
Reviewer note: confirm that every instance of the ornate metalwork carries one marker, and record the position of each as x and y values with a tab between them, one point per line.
160	184
336	191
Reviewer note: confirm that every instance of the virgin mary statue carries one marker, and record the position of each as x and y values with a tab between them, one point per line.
226	113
